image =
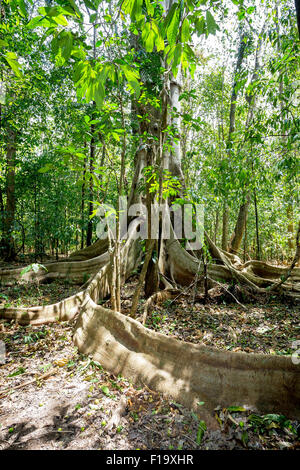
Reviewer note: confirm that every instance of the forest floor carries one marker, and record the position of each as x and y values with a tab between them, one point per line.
53	397
265	326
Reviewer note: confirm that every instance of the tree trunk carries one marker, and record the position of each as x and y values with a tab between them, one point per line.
290	228
82	203
239	229
297	6
90	206
216	225
234	94
256	227
225	227
8	247
232	113
240	226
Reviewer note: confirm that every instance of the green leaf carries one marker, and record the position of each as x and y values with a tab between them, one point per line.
34	22
185	31
134	84
66	45
49	11
3	43
46	168
132	77
61	20
236	408
136	11
74	8
149	43
38	21
160	43
168	18
34	267
176	60
150	7
245	438
200	26
12	61
212	26
19	371
201	430
93	17
91	5
99	94
190	5
177	54
127	6
173	28
105	390
79	71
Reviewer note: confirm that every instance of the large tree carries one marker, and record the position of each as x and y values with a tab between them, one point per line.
164	32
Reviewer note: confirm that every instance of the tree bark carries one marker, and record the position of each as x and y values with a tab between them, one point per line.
216	225
82	203
240	226
8	247
239	229
225	227
290	228
297	6
256	227
232	113
89	233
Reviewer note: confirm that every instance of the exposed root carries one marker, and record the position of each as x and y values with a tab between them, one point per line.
97	288
156	298
96	249
290	271
65	310
184	267
76	270
186	372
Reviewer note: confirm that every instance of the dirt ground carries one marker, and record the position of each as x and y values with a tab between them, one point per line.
52	397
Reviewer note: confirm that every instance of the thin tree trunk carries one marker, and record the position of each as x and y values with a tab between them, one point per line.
8	249
234	94
225	227
237	236
35	222
289	213
256	227
118	234
82	203
245	240
232	113
89	234
216	225
90	206
297	6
